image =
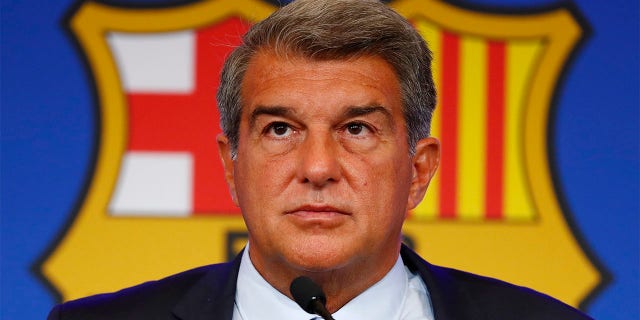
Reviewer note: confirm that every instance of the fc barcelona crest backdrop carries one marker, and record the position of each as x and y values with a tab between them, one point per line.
111	175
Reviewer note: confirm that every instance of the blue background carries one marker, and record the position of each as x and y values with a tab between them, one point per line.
48	127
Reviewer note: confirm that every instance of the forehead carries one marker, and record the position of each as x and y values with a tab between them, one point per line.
299	82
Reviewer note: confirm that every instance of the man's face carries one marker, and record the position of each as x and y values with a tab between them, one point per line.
323	175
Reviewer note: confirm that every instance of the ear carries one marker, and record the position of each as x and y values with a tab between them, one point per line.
424	162
224	149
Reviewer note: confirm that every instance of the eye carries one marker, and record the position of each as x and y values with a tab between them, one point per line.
357	128
278	129
359	136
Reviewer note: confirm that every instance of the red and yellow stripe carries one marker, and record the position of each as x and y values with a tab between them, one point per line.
482	85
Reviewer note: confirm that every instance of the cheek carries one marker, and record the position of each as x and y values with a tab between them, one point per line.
389	183
258	178
379	182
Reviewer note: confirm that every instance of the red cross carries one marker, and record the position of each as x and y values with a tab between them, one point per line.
189	122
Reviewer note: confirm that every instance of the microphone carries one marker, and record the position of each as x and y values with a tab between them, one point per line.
309	296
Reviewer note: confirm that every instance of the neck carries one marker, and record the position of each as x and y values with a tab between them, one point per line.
340	285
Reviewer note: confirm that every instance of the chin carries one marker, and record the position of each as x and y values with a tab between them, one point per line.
320	258
318	265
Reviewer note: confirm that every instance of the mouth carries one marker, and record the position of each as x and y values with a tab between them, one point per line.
316	209
316	214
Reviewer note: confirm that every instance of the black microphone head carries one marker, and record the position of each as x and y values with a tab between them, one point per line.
305	292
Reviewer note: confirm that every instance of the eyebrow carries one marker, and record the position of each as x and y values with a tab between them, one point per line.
350	112
356	111
268	110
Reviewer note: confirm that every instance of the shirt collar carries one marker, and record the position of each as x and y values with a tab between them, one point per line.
257	299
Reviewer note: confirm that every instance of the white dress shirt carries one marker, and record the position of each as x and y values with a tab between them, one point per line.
399	295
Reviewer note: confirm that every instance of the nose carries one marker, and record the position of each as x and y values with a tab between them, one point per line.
318	160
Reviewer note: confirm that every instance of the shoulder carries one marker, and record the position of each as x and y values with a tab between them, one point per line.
453	290
149	300
498	299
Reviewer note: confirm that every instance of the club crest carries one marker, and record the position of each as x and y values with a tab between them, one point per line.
157	202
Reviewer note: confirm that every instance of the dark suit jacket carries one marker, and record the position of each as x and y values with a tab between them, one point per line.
209	292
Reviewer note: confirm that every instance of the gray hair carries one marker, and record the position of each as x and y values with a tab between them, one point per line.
335	30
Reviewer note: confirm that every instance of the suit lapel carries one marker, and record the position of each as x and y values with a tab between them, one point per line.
211	298
447	300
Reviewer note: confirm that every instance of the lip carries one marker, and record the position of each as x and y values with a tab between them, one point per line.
317	215
307	210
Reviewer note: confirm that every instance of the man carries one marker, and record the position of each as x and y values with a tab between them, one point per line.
325	110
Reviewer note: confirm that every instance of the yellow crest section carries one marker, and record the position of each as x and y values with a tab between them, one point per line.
531	244
101	253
